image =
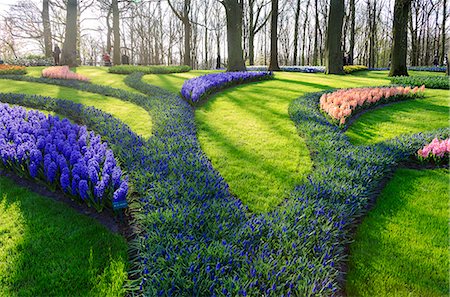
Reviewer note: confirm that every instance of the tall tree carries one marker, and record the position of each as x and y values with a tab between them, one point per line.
333	49
400	38
305	25
316	33
296	29
183	16
352	32
47	29
444	17
273	65
69	52
116	30
255	26
234	14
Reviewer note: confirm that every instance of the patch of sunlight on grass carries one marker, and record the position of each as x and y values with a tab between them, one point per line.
48	249
401	247
133	115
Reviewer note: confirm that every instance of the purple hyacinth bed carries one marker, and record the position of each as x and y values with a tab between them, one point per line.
62	155
198	89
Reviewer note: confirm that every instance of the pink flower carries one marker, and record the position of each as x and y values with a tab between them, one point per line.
62	72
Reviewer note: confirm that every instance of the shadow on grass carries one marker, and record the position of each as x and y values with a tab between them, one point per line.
50	250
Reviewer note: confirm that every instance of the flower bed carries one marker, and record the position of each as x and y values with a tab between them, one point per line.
431	82
62	72
341	104
63	155
156	69
304	69
428	68
437	150
353	68
12	70
197	89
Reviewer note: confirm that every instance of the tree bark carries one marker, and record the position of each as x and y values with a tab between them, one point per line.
273	65
333	49
304	32
184	18
234	14
316	33
297	20
69	52
400	38
351	54
47	29
444	17
116	30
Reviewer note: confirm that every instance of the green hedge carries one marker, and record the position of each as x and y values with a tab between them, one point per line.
431	82
155	69
353	68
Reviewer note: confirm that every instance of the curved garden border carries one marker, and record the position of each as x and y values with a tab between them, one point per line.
197	238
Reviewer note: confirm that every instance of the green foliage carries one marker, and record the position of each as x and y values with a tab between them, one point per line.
431	82
156	69
48	249
401	248
354	68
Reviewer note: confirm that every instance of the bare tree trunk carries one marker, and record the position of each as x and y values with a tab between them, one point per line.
273	65
444	17
372	34
116	30
69	52
352	33
47	29
304	32
401	10
316	32
333	49
297	21
234	13
206	35
108	32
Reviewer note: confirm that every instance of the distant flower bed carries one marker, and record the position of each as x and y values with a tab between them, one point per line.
32	60
432	82
304	69
379	69
62	72
437	150
197	89
154	69
428	68
340	105
353	68
12	69
63	155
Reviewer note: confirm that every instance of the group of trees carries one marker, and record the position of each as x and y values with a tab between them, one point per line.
375	33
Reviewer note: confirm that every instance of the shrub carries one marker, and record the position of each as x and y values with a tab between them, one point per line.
432	82
62	72
62	155
341	104
353	68
156	69
12	70
199	88
436	150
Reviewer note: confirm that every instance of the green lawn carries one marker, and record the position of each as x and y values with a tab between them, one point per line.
134	116
174	82
101	76
401	248
48	249
250	139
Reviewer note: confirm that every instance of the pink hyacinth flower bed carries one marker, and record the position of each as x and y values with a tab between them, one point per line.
437	150
340	105
62	72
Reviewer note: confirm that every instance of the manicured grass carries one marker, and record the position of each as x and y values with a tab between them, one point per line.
134	116
414	116
248	135
401	248
48	249
101	76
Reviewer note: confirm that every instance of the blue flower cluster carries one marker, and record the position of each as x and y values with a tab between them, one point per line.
62	154
198	240
304	69
198	88
428	68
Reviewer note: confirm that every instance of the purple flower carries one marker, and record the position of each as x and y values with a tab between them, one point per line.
33	169
65	181
83	188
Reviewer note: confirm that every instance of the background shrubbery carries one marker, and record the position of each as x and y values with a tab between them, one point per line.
353	68
157	69
432	82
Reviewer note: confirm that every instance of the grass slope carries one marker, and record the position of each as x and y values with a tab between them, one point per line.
248	135
401	248
132	115
48	249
